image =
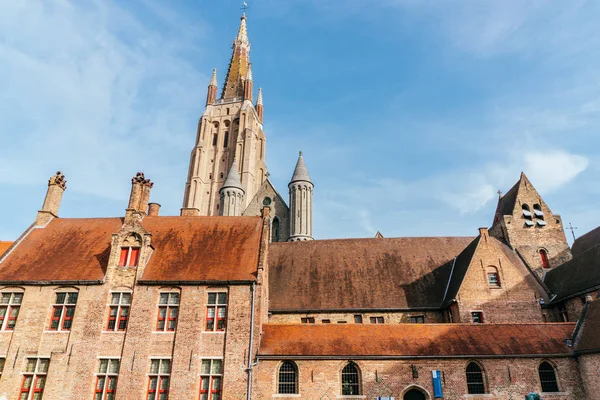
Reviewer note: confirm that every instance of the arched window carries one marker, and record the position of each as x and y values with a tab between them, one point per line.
275	230
350	380
226	140
537	211
414	394
475	383
527	216
288	378
548	377
544	258
493	277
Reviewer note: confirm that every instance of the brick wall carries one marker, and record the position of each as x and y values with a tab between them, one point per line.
589	368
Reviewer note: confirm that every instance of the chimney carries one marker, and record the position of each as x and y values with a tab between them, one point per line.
153	209
140	193
56	187
483	232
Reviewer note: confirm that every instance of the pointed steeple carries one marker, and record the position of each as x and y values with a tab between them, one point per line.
213	79
259	99
248	84
300	173
260	109
211	95
233	177
238	65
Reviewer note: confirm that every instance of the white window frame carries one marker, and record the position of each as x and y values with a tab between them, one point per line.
9	307
211	377
159	377
35	375
107	375
120	305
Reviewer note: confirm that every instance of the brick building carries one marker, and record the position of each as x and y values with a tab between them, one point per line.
234	300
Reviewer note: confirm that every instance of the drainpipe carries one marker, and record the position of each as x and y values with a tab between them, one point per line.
250	365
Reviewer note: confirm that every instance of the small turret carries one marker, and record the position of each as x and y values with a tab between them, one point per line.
211	96
232	194
301	192
248	84
259	105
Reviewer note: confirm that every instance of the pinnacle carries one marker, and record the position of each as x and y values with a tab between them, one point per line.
300	172
259	100
233	177
242	36
249	73
213	79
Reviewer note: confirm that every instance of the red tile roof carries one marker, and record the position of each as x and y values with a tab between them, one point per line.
203	248
65	250
361	273
414	340
4	246
185	249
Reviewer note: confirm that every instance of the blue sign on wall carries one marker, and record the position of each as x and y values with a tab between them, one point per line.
437	383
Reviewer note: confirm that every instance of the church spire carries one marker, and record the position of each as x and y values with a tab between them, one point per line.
211	96
259	105
238	65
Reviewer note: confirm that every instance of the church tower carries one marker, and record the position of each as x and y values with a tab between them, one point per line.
301	192
229	129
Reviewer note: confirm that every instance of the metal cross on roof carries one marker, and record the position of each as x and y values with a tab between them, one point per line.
244	7
572	228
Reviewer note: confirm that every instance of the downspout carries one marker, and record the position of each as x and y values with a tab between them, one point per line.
250	365
449	280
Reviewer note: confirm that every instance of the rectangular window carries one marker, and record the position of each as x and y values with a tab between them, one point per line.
493	279
376	320
63	311
477	317
562	311
158	379
226	140
307	320
34	379
326	321
2	362
215	139
10	303
358	319
106	379
417	319
211	377
118	314
129	257
168	309
216	312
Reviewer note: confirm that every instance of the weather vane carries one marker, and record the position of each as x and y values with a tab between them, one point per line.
244	7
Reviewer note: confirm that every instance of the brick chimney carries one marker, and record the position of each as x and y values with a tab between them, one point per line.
56	187
153	209
140	193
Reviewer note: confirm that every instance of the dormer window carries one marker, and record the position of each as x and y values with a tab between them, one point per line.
129	257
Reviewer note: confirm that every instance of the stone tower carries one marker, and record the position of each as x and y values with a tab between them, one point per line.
230	128
232	194
301	192
526	223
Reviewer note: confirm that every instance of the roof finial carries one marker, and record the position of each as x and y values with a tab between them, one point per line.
259	99
249	73
242	36
213	80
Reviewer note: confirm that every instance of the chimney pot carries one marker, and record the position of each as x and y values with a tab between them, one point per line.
483	232
140	193
57	184
153	209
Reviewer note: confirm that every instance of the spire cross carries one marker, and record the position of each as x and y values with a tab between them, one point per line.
572	229
499	193
244	7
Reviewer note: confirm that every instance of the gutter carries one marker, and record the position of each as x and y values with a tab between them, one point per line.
195	282
348	310
250	365
449	280
53	283
391	357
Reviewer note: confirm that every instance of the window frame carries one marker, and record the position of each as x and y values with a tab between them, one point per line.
307	320
34	377
108	375
2	365
555	382
65	306
543	253
346	385
492	271
416	319
159	377
481	316
169	306
10	307
474	386
378	319
358	318
212	323
127	260
294	386
118	317
211	376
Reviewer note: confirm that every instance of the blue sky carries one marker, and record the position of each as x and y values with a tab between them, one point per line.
411	114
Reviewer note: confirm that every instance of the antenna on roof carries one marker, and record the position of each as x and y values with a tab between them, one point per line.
572	228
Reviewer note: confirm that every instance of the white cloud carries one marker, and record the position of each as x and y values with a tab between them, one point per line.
552	170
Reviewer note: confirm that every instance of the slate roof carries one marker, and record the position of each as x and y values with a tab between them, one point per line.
415	340
300	172
347	274
588	339
185	249
586	242
576	276
506	204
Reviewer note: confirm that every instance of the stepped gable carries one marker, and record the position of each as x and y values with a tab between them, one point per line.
415	340
577	276
353	274
586	242
197	249
185	249
65	250
588	339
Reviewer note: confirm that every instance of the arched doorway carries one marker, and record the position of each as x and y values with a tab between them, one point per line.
414	394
